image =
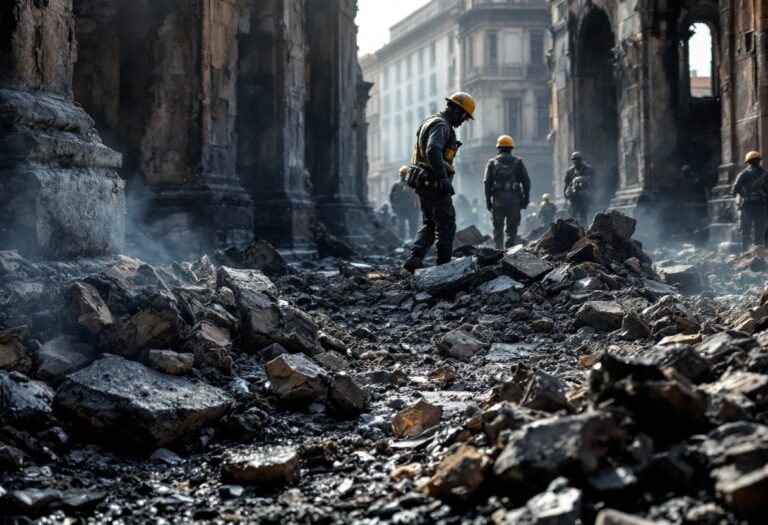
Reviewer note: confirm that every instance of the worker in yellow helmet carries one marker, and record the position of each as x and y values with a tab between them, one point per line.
507	191
751	192
431	176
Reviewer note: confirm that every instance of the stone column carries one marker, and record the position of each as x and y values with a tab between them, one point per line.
60	192
271	124
161	80
334	118
189	142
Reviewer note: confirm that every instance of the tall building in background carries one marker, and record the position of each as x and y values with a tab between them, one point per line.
494	49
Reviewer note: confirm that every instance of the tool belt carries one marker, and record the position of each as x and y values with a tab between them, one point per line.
420	176
508	187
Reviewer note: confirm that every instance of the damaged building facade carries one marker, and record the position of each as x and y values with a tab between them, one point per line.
624	95
210	121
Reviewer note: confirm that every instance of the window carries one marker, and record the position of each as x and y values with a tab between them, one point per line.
398	72
537	48
470	52
386	104
422	90
398	100
542	116
432	54
450	44
421	60
492	49
409	95
451	73
433	84
700	60
409	66
513	109
433	107
385	78
422	113
398	134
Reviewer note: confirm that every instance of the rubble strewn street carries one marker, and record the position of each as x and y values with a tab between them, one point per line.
576	379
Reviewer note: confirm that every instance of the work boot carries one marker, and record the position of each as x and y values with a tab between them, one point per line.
413	263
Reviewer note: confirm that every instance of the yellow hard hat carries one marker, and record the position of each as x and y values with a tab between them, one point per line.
403	170
464	101
753	155
505	141
545	197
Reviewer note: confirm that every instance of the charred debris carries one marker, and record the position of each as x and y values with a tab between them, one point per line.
572	380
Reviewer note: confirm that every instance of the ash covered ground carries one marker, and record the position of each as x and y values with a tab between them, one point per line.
572	380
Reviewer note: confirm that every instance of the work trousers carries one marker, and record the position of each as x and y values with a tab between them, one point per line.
505	215
752	222
579	207
438	220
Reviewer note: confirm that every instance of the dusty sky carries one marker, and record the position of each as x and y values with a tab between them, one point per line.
375	17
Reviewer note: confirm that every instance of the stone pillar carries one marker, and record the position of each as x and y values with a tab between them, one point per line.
271	124
161	79
333	120
60	192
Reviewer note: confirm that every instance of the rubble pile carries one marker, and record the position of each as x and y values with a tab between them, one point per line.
570	380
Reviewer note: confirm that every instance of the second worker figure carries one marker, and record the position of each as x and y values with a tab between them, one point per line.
507	192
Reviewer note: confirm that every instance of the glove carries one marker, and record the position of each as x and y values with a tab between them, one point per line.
489	205
447	187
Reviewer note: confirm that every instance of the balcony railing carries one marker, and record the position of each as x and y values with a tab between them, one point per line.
506	71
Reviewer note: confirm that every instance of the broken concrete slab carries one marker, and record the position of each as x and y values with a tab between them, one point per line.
458	344
546	393
682	358
614	517
61	356
744	492
267	466
170	362
157	324
545	449
24	402
500	285
240	281
265	257
88	309
634	327
459	475
447	278
295	377
612	225
114	394
686	276
560	237
415	419
210	346
346	398
525	266
332	361
600	315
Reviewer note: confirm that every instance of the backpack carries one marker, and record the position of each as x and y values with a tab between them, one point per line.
504	179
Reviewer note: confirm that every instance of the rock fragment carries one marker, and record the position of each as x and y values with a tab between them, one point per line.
459	475
600	315
500	285
447	278
295	377
614	517
132	404
61	356
158	323
526	266
24	402
89	309
545	449
458	344
686	276
415	419
560	504
13	354
545	392
268	466
170	362
346	398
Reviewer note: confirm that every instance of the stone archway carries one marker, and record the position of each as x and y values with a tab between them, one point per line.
596	96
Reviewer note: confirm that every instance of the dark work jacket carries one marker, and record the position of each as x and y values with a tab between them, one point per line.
751	185
433	140
521	175
585	171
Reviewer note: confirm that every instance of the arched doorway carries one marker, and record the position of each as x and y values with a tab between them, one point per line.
596	102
